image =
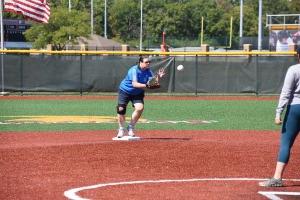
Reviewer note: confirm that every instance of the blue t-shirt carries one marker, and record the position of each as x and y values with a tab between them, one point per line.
135	74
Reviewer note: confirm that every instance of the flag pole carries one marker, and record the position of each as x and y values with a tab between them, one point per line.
92	17
2	47
1	23
105	20
70	7
141	27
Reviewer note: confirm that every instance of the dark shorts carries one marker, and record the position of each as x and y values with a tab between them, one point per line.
124	98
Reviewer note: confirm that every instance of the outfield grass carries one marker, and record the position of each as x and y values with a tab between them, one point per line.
231	115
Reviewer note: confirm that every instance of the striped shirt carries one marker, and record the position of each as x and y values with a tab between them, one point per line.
36	10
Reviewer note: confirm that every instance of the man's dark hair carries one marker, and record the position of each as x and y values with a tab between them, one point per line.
141	59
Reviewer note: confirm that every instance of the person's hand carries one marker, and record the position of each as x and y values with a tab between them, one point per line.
161	72
278	121
152	83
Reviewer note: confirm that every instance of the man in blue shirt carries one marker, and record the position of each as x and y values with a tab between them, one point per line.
132	88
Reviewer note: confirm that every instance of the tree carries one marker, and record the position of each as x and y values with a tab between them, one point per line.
99	6
181	19
75	4
125	19
62	26
294	6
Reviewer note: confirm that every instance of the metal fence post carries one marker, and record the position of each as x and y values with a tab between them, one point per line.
196	76
80	74
173	77
21	74
256	75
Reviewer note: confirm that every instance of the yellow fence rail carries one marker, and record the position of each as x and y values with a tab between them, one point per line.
213	53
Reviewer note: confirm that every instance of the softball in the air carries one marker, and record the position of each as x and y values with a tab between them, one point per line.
180	67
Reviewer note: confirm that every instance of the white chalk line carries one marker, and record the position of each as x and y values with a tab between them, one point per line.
272	194
71	194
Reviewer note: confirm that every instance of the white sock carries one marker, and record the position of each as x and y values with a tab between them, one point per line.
130	126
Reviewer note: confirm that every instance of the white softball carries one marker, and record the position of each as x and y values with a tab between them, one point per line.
180	67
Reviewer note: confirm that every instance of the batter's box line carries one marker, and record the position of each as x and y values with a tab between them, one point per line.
272	195
71	194
179	121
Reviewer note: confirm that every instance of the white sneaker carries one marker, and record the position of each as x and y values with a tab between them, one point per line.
130	130
131	133
271	183
121	133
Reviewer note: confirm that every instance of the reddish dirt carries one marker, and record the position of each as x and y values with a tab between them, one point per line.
42	165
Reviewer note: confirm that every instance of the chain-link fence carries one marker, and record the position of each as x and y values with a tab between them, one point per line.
259	74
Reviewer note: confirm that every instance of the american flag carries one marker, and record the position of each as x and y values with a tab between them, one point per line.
36	10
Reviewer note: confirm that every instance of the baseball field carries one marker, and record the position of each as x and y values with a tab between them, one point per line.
191	147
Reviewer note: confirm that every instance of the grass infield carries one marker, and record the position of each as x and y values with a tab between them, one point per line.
229	114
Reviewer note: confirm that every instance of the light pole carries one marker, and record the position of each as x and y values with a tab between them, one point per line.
105	16
92	17
241	18
259	25
141	27
1	21
70	7
2	47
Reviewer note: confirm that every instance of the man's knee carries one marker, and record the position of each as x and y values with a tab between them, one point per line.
121	109
139	107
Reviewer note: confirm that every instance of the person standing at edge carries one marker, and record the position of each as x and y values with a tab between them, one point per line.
132	88
290	98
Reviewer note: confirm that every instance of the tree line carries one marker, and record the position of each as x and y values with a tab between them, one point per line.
178	18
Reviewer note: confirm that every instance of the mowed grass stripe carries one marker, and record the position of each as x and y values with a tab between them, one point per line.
231	115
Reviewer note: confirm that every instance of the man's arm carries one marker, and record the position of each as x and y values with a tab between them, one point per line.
135	82
285	95
138	85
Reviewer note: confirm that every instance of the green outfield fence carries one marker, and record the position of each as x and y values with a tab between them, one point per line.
101	71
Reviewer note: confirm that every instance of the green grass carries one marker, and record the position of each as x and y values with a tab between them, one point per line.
231	115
